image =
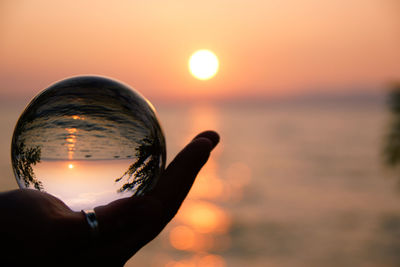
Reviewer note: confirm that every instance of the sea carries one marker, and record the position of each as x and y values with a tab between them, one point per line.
290	184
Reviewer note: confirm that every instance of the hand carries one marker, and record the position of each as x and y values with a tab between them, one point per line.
39	229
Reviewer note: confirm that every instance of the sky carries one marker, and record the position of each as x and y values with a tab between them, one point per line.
265	48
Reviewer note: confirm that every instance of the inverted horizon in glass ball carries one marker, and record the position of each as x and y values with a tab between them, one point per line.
88	140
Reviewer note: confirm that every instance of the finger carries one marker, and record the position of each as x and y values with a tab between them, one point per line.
178	178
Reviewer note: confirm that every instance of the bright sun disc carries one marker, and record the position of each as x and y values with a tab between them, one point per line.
203	64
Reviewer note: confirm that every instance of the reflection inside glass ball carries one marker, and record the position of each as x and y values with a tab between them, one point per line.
88	140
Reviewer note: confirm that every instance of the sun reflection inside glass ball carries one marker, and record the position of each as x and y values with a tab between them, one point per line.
88	140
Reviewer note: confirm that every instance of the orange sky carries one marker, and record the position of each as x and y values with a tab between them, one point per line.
266	48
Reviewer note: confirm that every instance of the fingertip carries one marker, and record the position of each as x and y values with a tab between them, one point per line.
212	136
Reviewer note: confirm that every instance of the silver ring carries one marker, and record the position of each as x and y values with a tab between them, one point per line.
91	218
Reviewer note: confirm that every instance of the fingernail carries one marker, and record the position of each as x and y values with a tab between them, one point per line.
212	136
214	139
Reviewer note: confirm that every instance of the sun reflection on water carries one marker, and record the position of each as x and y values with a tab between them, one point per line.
202	225
204	217
200	234
71	141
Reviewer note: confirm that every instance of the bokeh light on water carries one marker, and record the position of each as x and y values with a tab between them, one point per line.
199	235
293	185
200	228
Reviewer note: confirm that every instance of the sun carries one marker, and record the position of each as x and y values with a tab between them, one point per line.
203	64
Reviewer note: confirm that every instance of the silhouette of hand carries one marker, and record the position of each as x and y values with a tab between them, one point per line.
39	229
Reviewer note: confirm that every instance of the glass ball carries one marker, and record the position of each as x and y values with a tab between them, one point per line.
88	140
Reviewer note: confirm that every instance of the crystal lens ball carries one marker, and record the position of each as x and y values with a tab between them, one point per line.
88	140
